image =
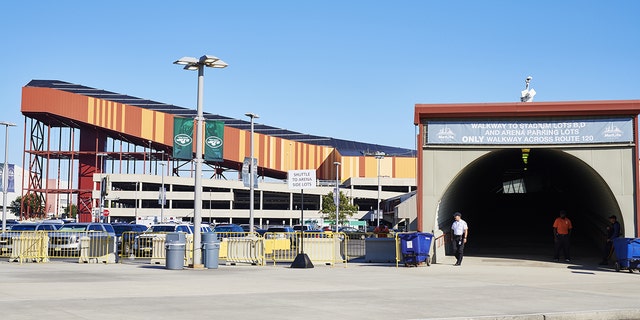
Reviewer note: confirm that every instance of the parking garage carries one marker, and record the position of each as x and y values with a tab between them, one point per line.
509	168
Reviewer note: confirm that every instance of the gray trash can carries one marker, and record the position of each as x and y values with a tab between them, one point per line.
210	250
175	245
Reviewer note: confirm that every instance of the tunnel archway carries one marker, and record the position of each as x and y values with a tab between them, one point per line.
510	203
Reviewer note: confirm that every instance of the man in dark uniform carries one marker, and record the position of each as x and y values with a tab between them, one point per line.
612	232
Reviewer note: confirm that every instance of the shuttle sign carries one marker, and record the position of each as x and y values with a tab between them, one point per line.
530	132
301	179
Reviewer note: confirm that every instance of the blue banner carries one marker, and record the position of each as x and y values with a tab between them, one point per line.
10	182
530	132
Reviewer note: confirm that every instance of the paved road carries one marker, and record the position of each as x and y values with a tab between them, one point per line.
483	288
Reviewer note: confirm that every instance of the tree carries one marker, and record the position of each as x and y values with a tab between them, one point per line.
31	206
71	211
345	209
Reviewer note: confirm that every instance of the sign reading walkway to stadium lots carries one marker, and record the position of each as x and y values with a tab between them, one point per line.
183	139
301	179
530	132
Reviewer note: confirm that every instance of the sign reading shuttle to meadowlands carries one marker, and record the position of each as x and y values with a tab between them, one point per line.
301	179
530	132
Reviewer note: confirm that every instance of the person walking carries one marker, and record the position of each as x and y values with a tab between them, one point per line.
460	231
612	232
561	232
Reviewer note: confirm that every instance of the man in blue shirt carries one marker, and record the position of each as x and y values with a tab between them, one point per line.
613	231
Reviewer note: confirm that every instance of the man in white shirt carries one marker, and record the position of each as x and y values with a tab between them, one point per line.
459	231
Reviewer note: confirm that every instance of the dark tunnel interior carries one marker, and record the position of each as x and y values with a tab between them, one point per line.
510	198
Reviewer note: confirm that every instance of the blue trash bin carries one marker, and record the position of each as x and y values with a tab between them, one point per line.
627	253
415	248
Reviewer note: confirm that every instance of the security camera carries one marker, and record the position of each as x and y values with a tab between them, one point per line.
529	78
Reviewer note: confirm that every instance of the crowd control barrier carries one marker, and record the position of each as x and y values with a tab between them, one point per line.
86	246
97	249
29	246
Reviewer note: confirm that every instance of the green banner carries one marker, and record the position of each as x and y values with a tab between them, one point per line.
182	138
213	140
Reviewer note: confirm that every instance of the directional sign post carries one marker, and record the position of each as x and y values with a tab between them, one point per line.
301	179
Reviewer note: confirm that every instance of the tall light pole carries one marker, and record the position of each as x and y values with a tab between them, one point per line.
252	171
379	156
162	194
101	155
5	174
337	194
191	63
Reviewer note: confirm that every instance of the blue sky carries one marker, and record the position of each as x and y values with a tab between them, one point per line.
346	69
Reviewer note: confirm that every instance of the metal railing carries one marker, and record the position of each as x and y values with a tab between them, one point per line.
40	246
235	247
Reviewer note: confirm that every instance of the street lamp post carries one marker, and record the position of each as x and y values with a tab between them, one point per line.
191	63
101	155
252	172
162	194
5	174
379	156
337	195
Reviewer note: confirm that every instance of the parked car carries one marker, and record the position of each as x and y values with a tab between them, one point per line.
126	234
305	228
229	230
247	227
6	239
65	242
143	244
353	233
9	223
35	227
281	232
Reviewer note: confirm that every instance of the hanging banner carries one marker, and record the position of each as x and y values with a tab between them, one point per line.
182	141
10	182
213	140
246	169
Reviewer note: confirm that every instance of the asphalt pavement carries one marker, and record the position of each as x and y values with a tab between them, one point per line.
482	288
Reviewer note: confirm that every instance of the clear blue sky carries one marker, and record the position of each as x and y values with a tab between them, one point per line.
346	69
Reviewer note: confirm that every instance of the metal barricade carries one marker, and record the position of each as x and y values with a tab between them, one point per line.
355	244
157	250
241	247
245	250
6	242
29	246
321	247
127	243
97	247
86	246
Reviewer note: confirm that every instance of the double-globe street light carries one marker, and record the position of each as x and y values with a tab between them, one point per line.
191	63
5	174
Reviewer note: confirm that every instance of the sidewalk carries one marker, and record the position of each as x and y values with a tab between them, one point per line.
482	288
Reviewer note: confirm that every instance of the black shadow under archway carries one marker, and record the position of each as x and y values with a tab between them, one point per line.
520	224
